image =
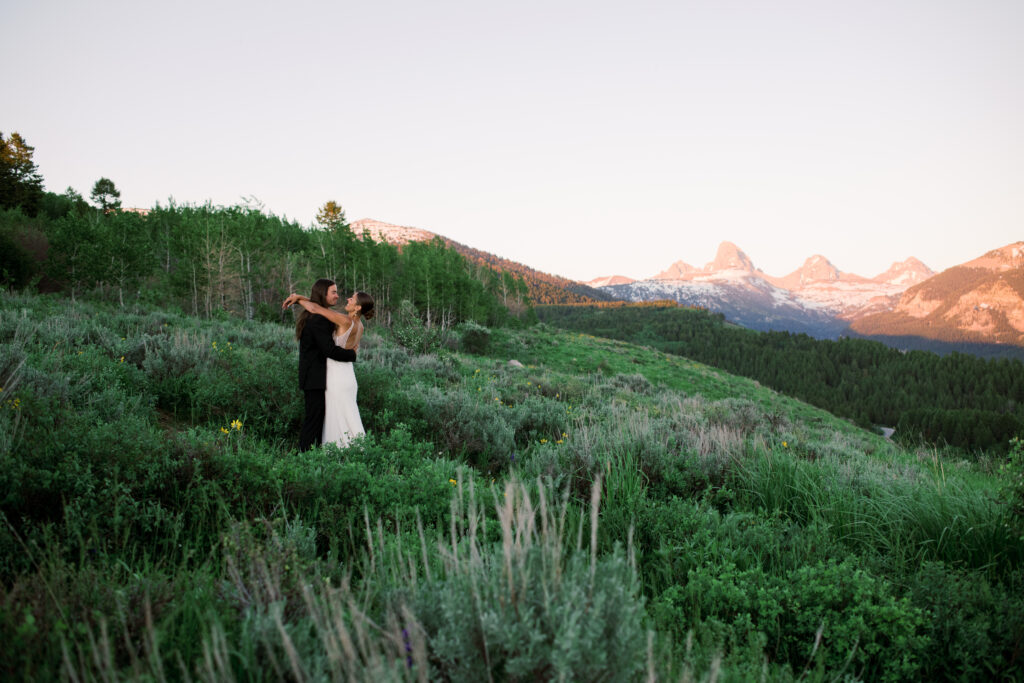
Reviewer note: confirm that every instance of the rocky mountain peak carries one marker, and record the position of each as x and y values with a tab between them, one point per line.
818	269
380	231
905	273
608	280
677	271
730	257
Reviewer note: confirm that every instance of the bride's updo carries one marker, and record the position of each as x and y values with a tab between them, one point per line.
365	302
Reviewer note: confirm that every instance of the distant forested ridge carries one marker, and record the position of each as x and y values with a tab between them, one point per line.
962	400
944	346
542	287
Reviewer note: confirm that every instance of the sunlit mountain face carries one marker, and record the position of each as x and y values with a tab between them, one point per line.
980	301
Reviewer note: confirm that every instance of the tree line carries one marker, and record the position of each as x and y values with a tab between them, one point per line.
961	400
208	260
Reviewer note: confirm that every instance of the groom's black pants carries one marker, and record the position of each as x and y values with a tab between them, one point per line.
313	425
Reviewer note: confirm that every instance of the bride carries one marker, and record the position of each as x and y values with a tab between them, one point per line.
341	419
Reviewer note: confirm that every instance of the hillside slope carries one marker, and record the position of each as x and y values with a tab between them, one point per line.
542	288
980	301
959	400
148	466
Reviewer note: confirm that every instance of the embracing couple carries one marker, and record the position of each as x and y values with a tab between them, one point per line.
327	348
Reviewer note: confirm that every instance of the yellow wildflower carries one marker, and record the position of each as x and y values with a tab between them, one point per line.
236	424
543	440
122	359
223	430
452	482
785	445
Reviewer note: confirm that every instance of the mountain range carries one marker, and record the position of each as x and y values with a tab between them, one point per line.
977	306
817	298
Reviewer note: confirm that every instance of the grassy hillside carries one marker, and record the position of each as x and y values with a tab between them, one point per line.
605	511
971	403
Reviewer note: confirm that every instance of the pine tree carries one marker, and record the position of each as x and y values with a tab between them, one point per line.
331	216
20	182
106	196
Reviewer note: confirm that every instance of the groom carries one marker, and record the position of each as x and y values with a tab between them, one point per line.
316	345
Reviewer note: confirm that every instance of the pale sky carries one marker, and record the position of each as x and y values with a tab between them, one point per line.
582	138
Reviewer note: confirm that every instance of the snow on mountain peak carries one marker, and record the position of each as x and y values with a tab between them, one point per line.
818	269
905	273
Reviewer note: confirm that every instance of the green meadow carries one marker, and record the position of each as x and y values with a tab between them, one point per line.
598	511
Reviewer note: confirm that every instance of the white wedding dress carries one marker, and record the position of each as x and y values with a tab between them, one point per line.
341	418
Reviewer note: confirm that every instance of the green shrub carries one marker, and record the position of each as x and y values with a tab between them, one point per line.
386	398
1012	488
16	265
636	383
412	333
432	369
258	388
536	418
531	607
864	629
975	627
476	338
468	427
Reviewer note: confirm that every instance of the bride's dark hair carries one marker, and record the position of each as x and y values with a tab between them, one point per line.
365	302
317	296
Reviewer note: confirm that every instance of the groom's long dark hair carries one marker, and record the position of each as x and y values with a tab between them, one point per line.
317	296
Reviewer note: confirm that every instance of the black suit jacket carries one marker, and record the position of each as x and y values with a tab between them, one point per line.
315	346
